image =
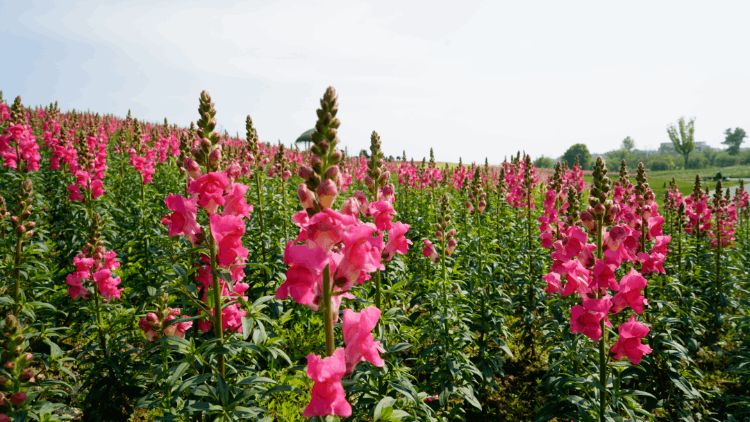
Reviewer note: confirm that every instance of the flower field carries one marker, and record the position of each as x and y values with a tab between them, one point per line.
151	272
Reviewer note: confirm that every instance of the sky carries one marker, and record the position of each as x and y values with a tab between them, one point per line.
471	79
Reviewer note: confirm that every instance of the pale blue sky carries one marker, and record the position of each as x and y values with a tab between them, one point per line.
471	79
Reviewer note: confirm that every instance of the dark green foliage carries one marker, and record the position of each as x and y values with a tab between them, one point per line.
580	151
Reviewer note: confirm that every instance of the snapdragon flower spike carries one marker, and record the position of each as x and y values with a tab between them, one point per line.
143	164
550	224
335	251
725	215
231	316
18	145
91	164
697	210
577	269
94	267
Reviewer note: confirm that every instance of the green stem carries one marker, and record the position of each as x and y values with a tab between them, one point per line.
165	360
283	211
17	287
377	290
218	326
644	227
327	311
603	339
259	191
100	325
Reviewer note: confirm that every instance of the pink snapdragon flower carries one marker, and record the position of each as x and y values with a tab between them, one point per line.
183	220
430	252
360	343
629	344
382	212
97	271
327	396
630	293
210	190
585	319
362	254
305	271
397	241
227	231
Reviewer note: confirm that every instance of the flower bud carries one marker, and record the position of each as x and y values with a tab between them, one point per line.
192	168
327	192
233	171
369	182
316	162
332	173
481	206
18	398
588	220
306	196
215	157
335	157
350	207
304	172
205	145
450	247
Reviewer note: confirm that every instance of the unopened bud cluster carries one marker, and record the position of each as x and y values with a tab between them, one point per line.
322	175
476	202
21	213
601	209
208	152
15	361
719	202
377	175
281	164
644	196
253	152
443	235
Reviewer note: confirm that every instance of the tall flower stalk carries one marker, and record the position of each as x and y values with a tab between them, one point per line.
334	252
24	230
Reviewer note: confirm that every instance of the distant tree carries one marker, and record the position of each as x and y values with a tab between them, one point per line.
365	153
580	151
682	137
628	143
733	140
544	163
710	155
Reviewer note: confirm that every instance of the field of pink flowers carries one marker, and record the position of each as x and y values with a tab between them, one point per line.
163	273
